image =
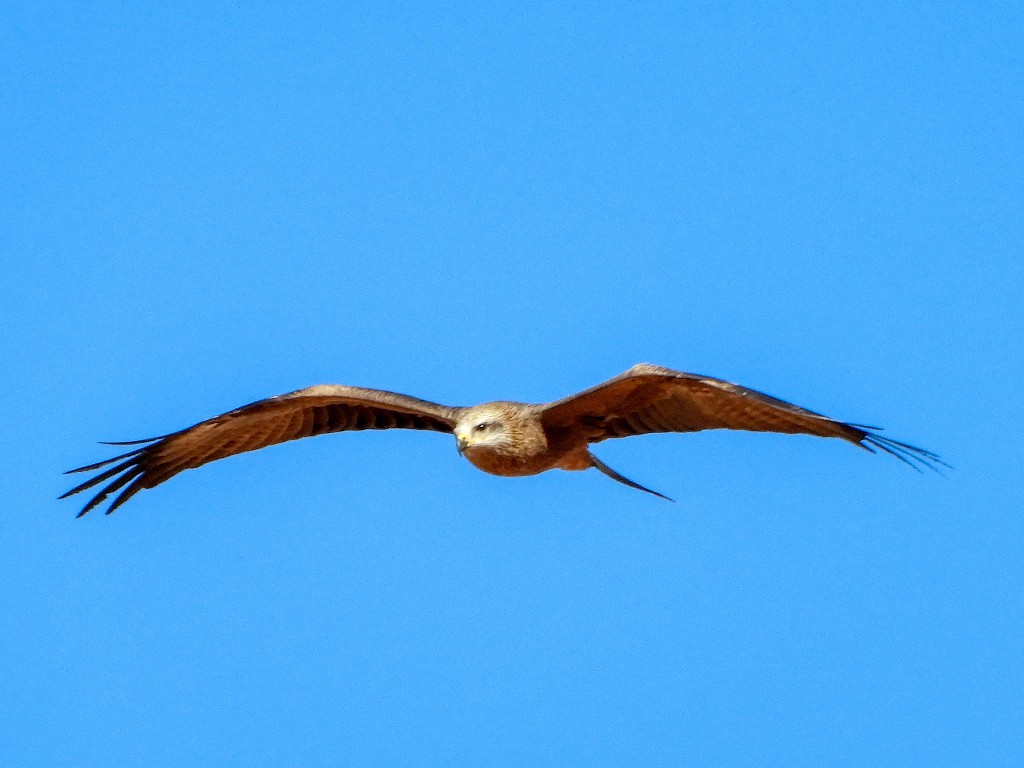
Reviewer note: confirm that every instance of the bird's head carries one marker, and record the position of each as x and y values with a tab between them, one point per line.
485	427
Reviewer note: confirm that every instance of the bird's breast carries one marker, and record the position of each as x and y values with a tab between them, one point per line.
505	464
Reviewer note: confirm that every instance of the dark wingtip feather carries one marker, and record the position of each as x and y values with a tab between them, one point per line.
914	457
98	464
126	494
105	475
132	473
133	442
865	427
126	468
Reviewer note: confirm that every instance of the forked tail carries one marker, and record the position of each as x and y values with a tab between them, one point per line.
606	470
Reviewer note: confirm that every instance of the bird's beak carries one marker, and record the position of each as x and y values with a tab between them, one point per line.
460	445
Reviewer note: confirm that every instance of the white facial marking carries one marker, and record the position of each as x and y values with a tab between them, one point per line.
478	429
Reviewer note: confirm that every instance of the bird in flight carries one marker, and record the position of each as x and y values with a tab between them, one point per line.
503	438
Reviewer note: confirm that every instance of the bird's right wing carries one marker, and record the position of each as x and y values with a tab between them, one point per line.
304	413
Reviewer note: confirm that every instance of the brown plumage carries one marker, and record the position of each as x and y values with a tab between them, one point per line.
502	438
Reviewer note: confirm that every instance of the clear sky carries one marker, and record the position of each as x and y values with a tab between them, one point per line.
204	205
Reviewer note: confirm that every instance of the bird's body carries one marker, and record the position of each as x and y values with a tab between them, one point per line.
522	446
503	438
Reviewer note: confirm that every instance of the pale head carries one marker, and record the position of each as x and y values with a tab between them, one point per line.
487	426
502	438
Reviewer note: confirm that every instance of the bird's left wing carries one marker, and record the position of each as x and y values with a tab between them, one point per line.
648	398
304	413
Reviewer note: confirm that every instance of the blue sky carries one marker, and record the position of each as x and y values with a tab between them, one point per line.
206	205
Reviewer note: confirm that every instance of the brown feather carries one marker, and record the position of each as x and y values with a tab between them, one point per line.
647	399
304	413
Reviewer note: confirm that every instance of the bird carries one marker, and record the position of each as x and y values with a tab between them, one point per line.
504	438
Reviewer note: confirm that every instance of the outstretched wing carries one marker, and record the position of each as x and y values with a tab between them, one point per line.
648	398
304	413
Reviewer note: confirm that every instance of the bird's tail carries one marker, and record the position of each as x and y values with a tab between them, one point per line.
603	468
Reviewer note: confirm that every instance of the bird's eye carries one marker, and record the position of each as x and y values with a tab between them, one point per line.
480	427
